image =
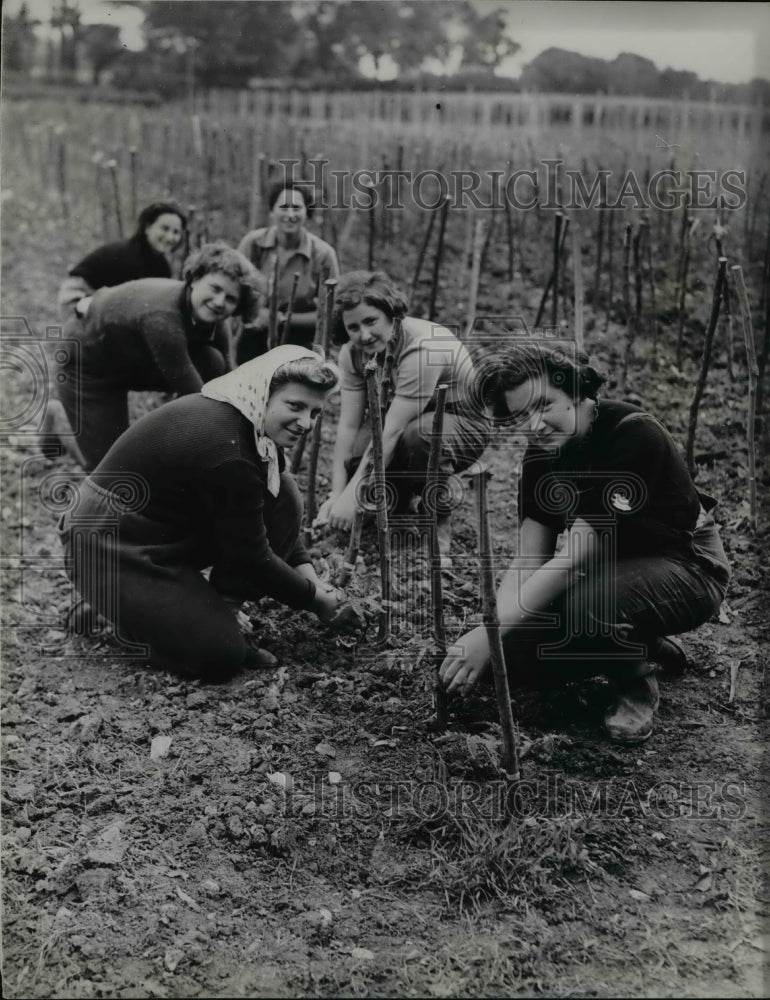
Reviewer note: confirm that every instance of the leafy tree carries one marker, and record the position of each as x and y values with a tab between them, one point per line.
485	42
559	71
19	40
228	41
102	46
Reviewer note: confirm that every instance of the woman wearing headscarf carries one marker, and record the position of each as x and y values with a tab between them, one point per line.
207	487
154	334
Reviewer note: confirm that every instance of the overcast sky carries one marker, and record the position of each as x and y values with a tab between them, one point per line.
728	42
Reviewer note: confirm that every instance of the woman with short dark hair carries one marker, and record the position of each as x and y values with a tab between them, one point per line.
201	482
156	333
642	559
298	251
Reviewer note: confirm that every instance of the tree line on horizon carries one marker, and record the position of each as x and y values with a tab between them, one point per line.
190	45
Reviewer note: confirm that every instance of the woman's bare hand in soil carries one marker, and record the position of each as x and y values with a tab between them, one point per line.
465	662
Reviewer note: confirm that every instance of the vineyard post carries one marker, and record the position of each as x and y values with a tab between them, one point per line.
437	260
509	234
653	305
112	165
133	155
600	237
753	370
577	270
510	754
557	224
682	268
549	283
272	322
325	310
62	177
764	306
473	291
700	385
371	212
421	254
380	498
433	489
290	307
610	269
97	160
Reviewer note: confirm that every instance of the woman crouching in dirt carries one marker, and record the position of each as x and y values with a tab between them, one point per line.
207	486
153	334
641	560
370	320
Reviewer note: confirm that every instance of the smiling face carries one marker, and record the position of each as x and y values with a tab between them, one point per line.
546	414
165	233
289	213
292	409
368	327
214	297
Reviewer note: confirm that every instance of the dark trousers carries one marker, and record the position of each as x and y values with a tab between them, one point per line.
97	409
155	594
463	441
610	621
252	342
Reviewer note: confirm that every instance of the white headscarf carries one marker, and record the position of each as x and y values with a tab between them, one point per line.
247	388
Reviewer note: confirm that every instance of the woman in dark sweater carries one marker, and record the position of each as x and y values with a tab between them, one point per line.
159	232
157	333
642	557
207	486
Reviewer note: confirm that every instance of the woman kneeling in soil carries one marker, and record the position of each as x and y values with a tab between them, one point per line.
642	558
370	320
206	487
156	334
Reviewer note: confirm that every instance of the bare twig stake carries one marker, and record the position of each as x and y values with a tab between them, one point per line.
473	291
272	322
577	273
730	345
684	263
290	308
113	168
549	283
444	210
133	155
421	254
716	301
62	177
371	212
351	553
753	369
510	755
557	224
380	498
600	238
433	489
610	268
323	321
653	306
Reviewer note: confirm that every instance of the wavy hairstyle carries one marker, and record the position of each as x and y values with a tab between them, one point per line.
221	258
373	287
315	373
575	375
151	212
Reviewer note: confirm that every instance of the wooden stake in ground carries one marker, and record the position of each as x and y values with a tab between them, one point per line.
549	283
380	498
444	210
272	321
684	263
290	308
557	224
753	369
473	291
510	755
433	490
421	254
112	165
325	309
700	385
133	160
577	273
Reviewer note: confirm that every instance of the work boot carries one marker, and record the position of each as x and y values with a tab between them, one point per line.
629	720
671	657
